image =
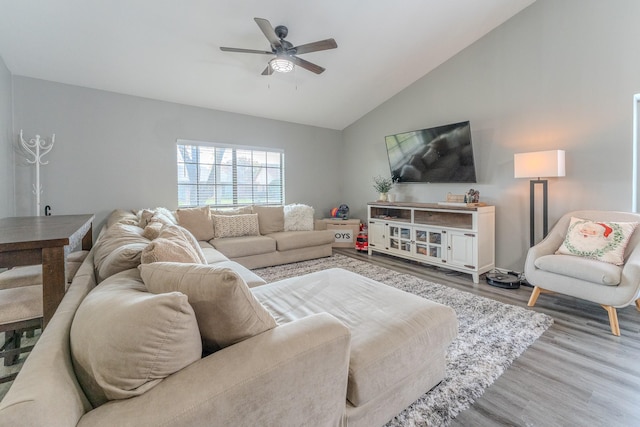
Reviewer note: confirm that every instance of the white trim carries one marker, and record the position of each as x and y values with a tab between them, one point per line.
224	145
634	179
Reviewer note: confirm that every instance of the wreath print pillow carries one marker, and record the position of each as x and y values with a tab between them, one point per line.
603	241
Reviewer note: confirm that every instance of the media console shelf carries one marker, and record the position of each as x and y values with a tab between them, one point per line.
456	237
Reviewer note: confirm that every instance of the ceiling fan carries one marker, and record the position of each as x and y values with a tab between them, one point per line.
285	53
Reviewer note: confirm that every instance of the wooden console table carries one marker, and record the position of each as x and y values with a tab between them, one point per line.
42	240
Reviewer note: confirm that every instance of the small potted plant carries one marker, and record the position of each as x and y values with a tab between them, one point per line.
382	186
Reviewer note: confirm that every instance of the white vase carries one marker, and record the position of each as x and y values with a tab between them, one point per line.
382	197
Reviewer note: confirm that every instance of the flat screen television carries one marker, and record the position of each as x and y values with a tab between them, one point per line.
439	154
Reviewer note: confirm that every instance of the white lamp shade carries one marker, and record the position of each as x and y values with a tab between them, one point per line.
539	164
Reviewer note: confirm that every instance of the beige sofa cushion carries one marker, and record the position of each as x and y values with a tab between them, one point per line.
117	249
234	247
235	225
122	216
197	220
270	218
125	340
174	243
288	240
391	330
226	310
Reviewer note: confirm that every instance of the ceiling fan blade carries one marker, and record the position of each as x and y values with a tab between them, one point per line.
268	31
267	71
233	49
316	46
306	65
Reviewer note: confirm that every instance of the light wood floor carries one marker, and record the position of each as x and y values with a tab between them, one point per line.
576	374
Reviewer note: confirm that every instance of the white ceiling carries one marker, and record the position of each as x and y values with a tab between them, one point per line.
169	49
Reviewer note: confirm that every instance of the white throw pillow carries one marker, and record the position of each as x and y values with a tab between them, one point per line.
602	241
298	217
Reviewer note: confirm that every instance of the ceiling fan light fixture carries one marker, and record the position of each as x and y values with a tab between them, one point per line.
281	65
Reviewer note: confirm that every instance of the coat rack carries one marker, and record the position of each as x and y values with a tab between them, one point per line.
35	149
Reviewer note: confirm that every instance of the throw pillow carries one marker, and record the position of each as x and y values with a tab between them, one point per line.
118	248
236	225
173	243
298	217
603	241
226	310
123	216
197	220
270	218
125	340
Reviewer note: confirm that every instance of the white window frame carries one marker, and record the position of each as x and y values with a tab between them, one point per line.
226	164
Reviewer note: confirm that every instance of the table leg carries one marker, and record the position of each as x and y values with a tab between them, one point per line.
53	281
87	239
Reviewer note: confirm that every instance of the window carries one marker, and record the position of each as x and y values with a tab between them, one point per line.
226	175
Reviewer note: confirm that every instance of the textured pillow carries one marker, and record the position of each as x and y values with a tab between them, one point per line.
236	225
122	216
603	241
226	310
122	258
197	220
118	249
270	218
173	243
125	340
298	217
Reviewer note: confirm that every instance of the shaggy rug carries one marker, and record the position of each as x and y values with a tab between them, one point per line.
491	336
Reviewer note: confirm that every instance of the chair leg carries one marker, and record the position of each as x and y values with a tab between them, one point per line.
11	342
534	296
613	319
638	304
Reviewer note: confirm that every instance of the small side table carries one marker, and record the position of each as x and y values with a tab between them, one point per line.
346	230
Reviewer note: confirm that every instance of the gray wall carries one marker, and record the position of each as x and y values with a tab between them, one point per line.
559	75
7	204
116	150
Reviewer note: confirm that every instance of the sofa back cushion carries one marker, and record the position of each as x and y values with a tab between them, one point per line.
118	248
226	310
174	243
197	220
270	218
125	340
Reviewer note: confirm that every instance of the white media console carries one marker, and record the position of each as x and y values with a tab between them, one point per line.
460	238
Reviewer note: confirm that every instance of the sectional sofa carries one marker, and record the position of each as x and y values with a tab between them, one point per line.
187	336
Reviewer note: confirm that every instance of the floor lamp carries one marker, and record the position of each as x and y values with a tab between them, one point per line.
547	164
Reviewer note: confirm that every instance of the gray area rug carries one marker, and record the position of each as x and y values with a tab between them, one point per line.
491	336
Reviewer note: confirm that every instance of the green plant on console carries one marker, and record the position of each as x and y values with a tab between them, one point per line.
382	185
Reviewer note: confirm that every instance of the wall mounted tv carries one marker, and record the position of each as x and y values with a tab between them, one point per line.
439	154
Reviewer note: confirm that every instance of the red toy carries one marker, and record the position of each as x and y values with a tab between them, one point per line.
362	241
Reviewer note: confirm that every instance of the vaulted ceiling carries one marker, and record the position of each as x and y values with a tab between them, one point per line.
169	50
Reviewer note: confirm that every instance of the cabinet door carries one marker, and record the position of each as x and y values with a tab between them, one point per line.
400	238
378	235
461	249
428	243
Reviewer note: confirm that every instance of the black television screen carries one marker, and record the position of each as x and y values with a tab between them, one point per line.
438	154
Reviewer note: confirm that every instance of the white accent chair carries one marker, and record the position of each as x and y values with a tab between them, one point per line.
606	284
